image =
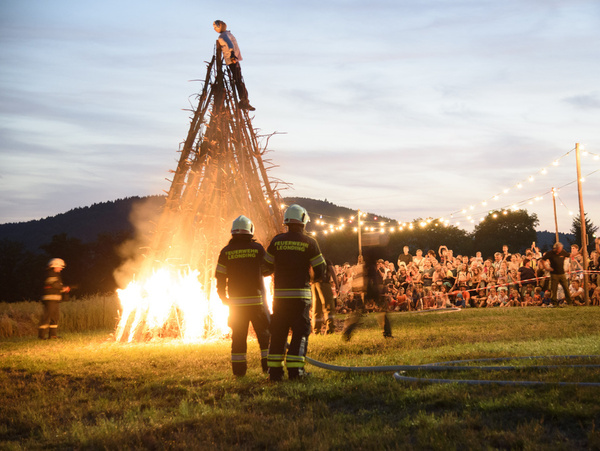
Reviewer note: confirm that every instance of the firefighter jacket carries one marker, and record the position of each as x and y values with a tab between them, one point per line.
240	272
291	255
53	286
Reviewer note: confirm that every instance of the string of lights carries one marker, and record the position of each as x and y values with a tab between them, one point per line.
371	223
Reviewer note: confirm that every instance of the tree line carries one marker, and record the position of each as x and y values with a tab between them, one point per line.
90	265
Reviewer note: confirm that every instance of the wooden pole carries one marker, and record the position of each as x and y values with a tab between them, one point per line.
359	236
582	224
555	218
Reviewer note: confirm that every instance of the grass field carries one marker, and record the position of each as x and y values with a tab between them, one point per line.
87	392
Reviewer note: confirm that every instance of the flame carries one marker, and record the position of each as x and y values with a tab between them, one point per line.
174	303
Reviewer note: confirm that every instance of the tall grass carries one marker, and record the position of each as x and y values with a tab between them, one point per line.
21	319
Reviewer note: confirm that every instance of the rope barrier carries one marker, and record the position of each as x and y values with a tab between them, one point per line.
450	366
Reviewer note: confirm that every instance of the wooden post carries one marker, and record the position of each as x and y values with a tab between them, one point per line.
359	236
555	218
583	228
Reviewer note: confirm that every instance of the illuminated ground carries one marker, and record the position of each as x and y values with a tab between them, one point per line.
86	391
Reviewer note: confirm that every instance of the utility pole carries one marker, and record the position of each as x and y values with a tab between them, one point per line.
582	223
359	236
555	218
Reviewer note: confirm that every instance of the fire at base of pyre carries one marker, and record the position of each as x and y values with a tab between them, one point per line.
170	303
173	304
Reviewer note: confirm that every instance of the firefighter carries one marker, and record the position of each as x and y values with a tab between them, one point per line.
240	285
323	310
290	256
54	290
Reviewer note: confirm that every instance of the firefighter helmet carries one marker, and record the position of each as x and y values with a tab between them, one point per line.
219	26
242	226
56	263
295	214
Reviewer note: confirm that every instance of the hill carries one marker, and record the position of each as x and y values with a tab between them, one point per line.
84	224
112	217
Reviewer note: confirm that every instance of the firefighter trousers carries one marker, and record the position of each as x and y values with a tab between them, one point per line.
289	314
323	309
49	321
240	318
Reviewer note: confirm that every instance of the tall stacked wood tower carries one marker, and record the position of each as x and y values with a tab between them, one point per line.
221	174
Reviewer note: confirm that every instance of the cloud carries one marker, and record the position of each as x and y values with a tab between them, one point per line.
589	101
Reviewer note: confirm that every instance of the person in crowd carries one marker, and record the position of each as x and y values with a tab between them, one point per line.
480	299
537	296
419	260
460	301
514	298
503	297
526	275
493	300
547	299
405	257
595	298
506	256
577	293
427	275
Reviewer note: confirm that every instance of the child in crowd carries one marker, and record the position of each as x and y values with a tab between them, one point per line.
547	299
503	297
514	299
595	299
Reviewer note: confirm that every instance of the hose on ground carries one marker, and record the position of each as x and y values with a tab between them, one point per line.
456	365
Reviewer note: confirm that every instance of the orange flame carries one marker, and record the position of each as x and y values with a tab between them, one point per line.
172	303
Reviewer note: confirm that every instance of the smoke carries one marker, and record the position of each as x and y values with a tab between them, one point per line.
144	217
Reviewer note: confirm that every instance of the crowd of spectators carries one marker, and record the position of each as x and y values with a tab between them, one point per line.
444	280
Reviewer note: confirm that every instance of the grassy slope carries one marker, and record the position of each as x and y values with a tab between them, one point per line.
88	392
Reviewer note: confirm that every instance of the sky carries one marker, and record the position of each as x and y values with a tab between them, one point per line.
405	108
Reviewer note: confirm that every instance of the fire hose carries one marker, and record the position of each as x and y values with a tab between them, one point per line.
458	365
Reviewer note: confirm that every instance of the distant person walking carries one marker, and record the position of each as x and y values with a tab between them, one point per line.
373	245
323	311
54	290
233	56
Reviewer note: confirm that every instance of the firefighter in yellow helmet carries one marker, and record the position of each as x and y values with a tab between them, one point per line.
233	56
240	285
54	290
290	256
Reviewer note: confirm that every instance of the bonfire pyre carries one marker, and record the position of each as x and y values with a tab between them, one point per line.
221	174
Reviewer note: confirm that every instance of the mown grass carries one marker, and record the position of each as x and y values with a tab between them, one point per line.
87	392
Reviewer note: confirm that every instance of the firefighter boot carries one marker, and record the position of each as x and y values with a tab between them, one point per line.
297	373
265	366
42	333
275	374
239	368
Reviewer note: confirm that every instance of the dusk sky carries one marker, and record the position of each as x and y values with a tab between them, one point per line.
403	108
